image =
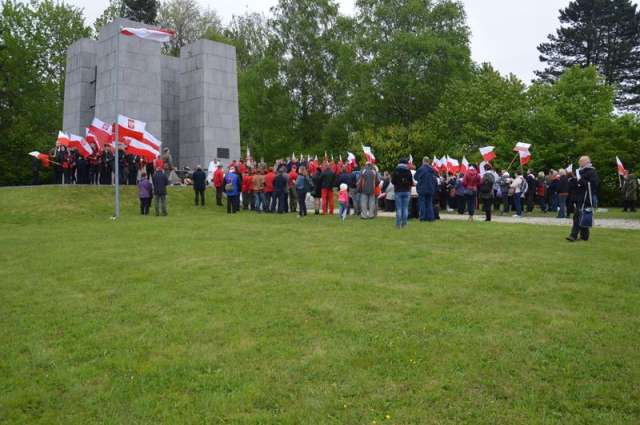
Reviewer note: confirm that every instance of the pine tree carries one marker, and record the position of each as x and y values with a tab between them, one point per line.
603	33
140	10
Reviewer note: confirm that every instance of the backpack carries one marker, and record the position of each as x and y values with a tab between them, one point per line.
487	184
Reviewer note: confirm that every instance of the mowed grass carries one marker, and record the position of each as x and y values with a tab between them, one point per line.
201	317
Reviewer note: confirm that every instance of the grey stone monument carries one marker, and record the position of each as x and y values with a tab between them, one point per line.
190	103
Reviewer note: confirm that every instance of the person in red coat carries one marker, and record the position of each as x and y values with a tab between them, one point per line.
247	190
471	182
218	183
269	200
293	176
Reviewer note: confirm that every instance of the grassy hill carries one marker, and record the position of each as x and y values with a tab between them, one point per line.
201	317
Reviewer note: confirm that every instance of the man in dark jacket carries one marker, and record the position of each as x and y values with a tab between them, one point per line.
426	186
532	184
199	179
280	189
402	181
585	191
327	183
160	183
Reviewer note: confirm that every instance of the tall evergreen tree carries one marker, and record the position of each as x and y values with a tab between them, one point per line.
602	33
140	10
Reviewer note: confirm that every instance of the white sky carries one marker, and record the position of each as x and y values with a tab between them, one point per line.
504	32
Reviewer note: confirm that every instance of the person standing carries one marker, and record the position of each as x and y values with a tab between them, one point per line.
199	178
402	181
531	190
258	190
327	182
586	190
232	190
218	183
302	186
343	201
144	193
269	199
367	188
563	193
630	192
160	183
471	181
519	186
426	186
280	188
293	196
317	190
486	192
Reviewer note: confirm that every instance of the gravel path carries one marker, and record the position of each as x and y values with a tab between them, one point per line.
606	223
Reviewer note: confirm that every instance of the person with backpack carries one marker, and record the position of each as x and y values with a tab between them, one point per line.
519	186
426	186
486	192
303	185
402	181
232	190
367	188
505	185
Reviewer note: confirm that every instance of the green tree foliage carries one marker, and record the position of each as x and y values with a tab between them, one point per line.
603	33
188	20
141	10
33	42
114	10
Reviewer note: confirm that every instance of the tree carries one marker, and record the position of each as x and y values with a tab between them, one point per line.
34	39
602	33
188	21
113	11
141	10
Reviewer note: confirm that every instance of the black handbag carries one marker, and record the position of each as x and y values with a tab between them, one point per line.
586	215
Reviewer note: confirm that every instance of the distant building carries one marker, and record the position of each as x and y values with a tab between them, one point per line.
190	102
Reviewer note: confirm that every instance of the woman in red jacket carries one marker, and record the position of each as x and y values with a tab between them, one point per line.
471	182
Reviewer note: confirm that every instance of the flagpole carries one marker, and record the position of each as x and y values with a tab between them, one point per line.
116	213
512	161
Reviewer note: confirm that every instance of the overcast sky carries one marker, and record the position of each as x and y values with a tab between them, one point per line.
504	32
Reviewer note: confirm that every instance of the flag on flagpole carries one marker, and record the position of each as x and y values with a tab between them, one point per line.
621	169
160	35
369	154
92	139
102	131
351	158
138	148
522	147
43	157
465	165
149	139
63	139
525	156
79	143
129	127
487	153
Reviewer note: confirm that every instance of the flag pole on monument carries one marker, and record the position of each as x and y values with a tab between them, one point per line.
158	35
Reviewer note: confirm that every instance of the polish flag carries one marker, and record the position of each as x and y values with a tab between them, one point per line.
410	159
138	148
159	35
369	154
79	143
43	157
63	139
569	169
93	140
148	139
442	163
465	166
128	127
621	170
487	153
525	156
102	131
351	159
453	165
522	147
435	164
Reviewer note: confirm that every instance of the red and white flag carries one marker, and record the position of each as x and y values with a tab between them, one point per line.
351	159
442	163
43	157
148	139
465	166
453	166
487	153
63	139
129	127
79	143
621	170
102	131
138	148
369	154
160	35
435	164
410	159
569	169
522	147
525	156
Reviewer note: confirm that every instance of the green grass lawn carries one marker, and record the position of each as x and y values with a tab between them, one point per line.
201	317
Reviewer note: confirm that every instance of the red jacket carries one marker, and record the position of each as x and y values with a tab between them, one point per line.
471	180
247	183
293	176
218	178
268	182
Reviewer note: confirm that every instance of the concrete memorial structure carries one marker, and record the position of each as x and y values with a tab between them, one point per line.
190	103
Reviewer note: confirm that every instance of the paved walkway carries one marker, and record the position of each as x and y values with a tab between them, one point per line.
607	223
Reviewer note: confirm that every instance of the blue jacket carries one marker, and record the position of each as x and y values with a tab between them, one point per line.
426	179
233	179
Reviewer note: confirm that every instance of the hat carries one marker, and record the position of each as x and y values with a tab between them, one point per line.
344	186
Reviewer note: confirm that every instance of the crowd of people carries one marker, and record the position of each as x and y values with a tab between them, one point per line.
412	192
